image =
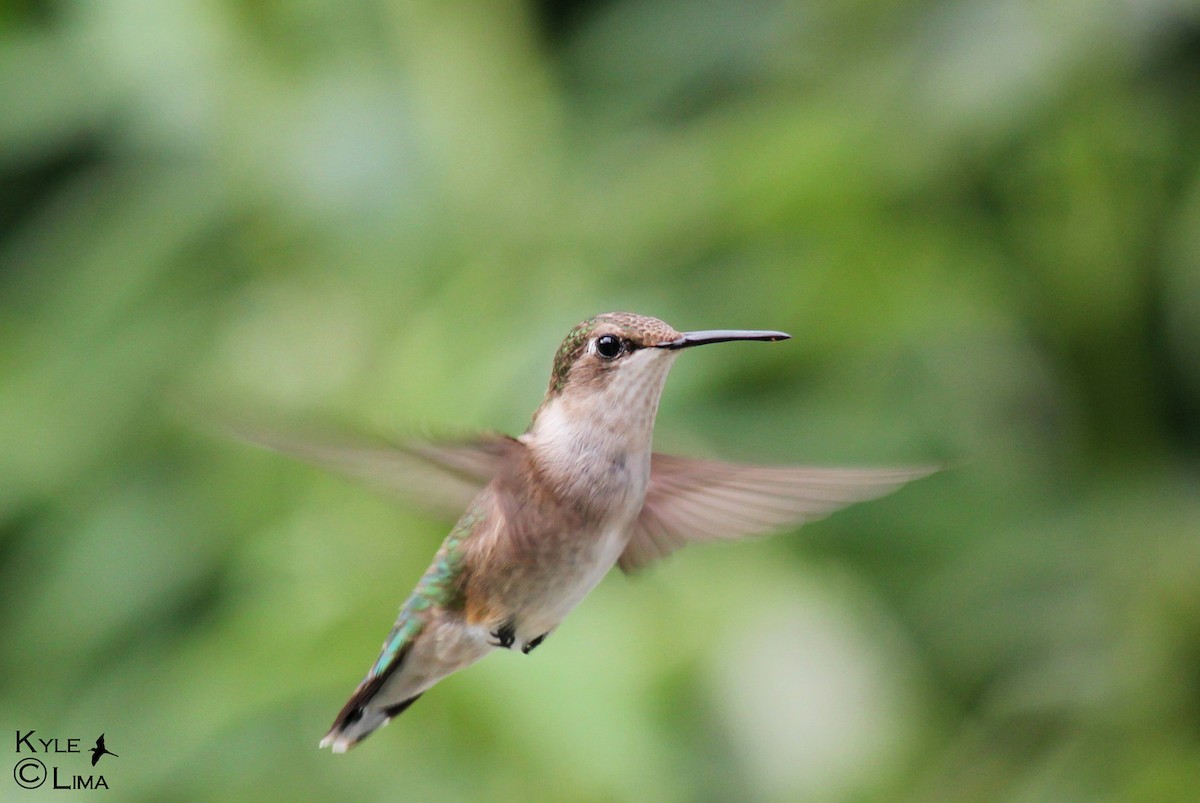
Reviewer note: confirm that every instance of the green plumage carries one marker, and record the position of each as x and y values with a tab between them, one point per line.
437	587
574	343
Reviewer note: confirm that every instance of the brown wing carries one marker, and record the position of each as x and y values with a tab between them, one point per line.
440	477
706	500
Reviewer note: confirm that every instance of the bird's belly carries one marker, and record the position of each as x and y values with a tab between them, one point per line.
582	565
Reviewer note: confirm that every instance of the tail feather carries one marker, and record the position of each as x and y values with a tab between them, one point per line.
358	718
358	721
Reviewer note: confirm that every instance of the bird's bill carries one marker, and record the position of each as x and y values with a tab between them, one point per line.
690	339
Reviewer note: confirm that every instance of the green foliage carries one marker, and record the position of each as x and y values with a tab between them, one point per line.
979	221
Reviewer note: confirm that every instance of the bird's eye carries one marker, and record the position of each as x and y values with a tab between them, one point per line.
609	347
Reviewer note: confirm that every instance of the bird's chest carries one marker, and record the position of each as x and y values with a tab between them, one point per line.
574	547
595	516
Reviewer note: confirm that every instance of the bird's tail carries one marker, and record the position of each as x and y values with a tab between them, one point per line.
358	719
371	707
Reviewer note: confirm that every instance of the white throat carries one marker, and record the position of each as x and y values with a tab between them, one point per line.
595	442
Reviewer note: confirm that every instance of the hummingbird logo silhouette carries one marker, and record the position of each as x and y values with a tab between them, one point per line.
550	512
101	750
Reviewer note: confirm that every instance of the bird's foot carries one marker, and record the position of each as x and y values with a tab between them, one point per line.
505	635
532	643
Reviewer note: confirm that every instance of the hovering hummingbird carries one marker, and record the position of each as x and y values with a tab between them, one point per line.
549	513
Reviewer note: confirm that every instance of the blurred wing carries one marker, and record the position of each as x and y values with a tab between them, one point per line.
705	500
440	477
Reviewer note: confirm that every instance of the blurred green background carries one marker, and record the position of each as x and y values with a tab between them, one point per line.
980	220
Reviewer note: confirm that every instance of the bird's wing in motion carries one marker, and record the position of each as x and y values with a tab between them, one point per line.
440	477
705	500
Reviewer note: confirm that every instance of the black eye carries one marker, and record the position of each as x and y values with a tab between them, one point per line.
608	347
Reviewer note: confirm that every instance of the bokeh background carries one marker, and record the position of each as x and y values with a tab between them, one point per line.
979	219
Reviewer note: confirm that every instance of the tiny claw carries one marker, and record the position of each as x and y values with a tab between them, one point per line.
505	635
529	646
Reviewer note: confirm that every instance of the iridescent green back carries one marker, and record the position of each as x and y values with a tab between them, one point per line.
437	587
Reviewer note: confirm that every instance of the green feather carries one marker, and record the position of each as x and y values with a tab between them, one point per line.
438	587
572	346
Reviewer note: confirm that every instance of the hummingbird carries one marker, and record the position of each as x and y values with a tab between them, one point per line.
549	513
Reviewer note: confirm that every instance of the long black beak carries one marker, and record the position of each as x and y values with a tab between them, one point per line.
690	339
